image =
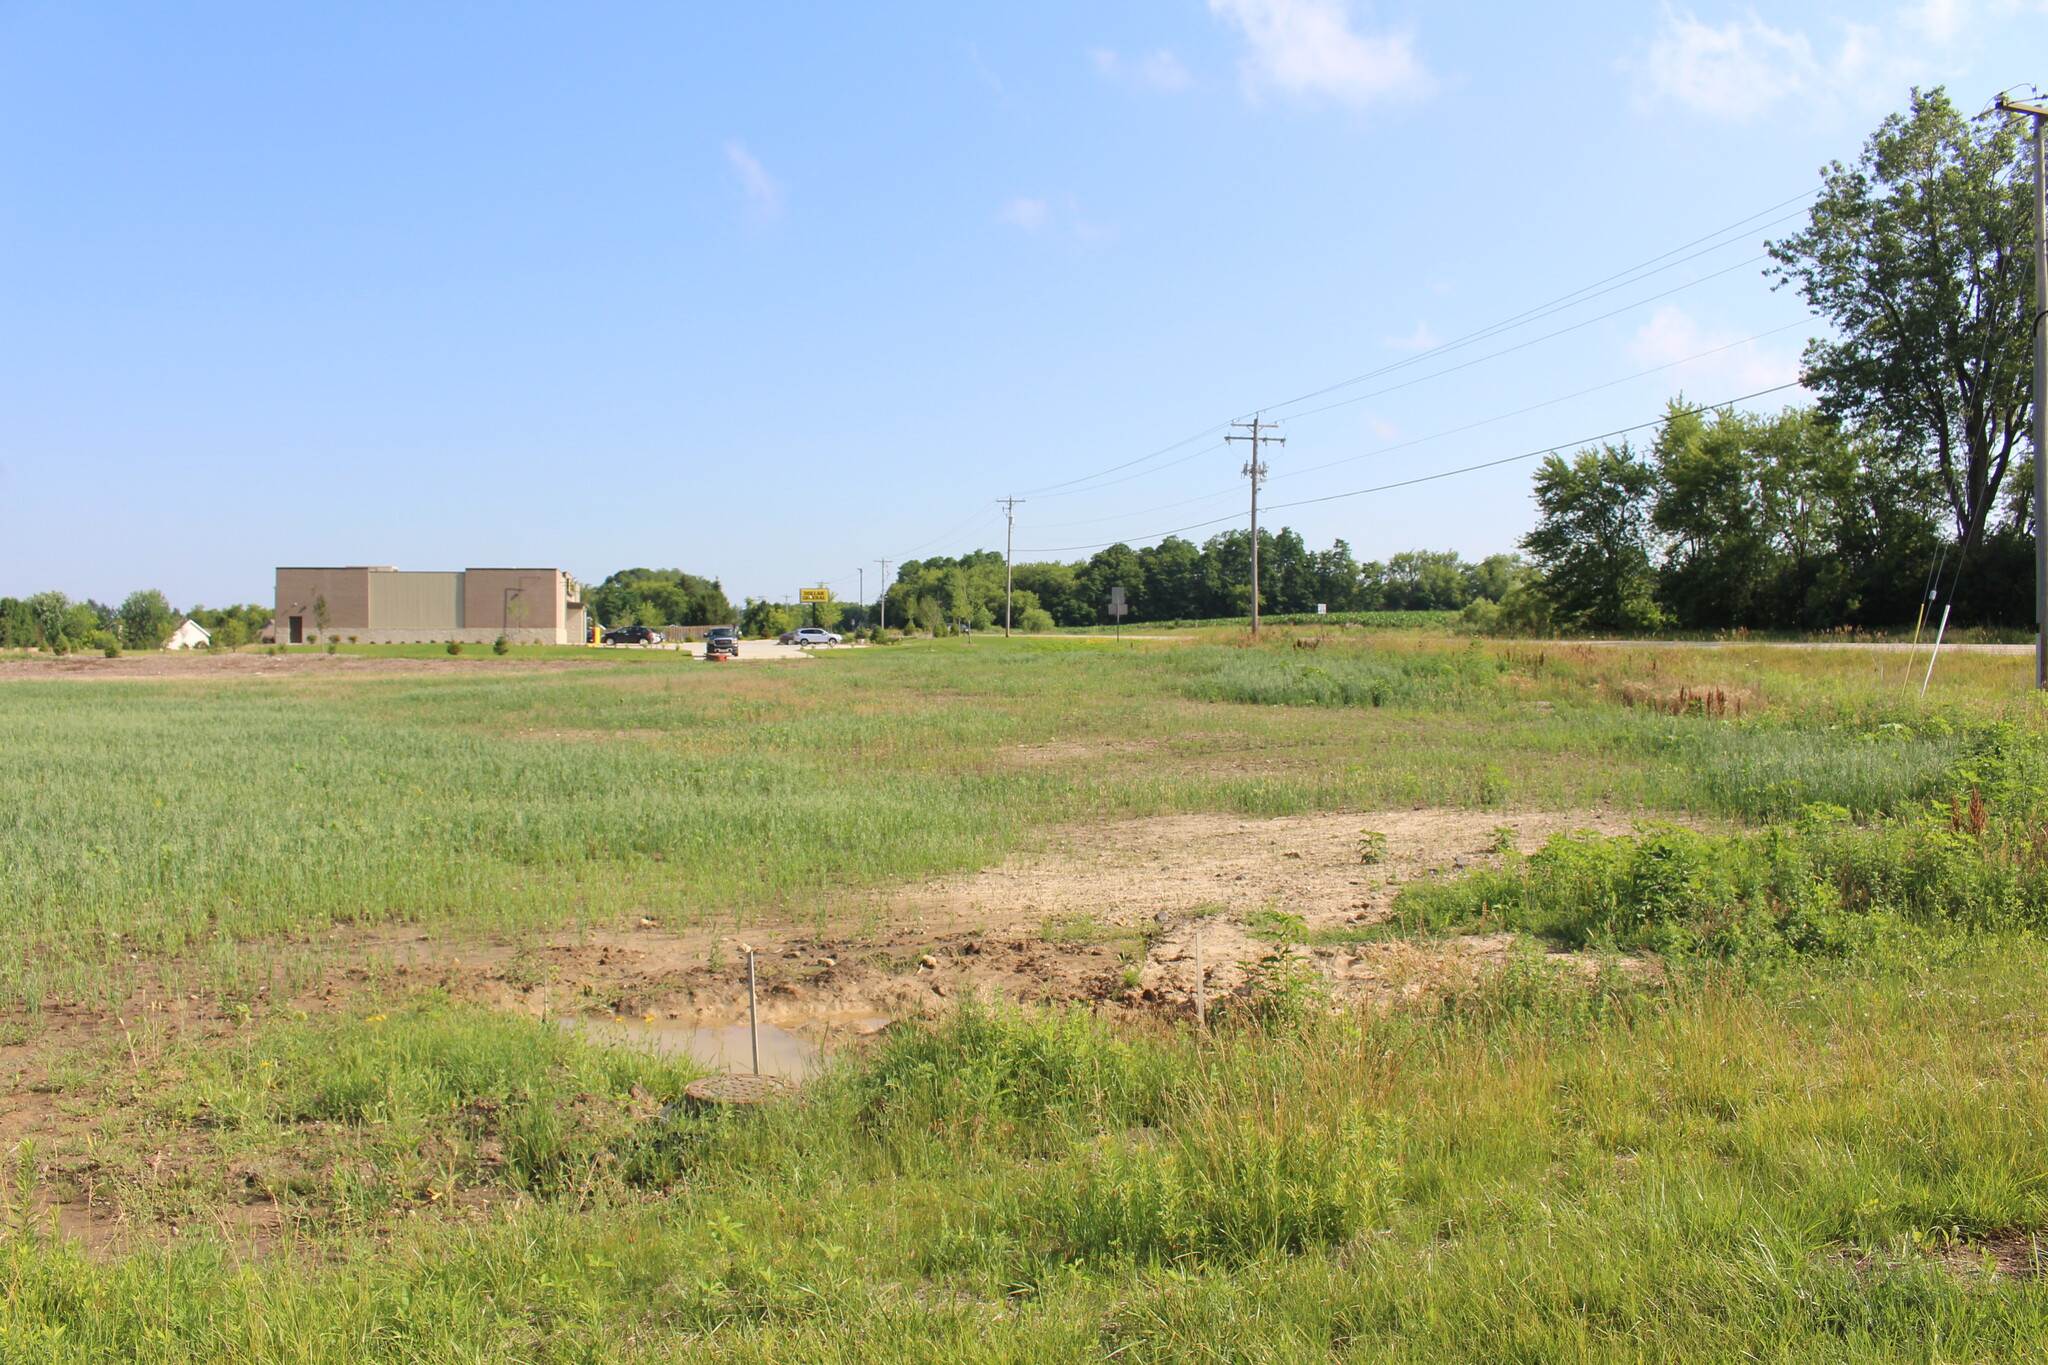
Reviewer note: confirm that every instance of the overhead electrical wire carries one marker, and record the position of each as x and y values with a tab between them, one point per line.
1620	279
1235	490
1633	274
1423	478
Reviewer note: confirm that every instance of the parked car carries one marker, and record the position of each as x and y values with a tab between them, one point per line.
808	635
631	635
722	642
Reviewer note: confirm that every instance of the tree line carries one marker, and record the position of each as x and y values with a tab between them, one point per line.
1179	580
143	620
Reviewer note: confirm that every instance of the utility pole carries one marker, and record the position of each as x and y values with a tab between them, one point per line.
1009	541
1255	470
883	624
2038	109
863	592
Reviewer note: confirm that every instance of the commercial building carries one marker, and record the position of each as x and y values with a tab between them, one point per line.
382	605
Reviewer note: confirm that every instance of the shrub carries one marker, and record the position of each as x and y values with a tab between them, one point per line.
1035	620
455	646
501	646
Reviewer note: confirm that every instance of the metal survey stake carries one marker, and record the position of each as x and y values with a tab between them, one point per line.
753	1019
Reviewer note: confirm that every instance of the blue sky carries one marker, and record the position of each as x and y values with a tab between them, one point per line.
772	291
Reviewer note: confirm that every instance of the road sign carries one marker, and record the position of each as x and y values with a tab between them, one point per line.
1117	606
1322	608
814	594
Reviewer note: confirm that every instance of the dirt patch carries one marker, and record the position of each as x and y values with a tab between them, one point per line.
1118	917
1306	865
1115	915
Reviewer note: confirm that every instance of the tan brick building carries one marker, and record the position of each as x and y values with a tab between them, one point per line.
380	605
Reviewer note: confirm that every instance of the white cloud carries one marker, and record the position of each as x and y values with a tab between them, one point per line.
1421	339
1738	70
1029	214
1744	68
1162	70
1721	361
1308	47
765	194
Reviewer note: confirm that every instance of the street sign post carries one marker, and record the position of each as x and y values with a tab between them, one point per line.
1118	608
814	595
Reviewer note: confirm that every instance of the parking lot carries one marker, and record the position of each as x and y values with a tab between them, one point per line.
751	651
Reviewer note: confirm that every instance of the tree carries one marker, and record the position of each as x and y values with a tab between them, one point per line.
1173	581
1592	539
660	597
1117	566
145	620
1919	255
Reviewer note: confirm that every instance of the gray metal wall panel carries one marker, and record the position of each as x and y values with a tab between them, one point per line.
416	601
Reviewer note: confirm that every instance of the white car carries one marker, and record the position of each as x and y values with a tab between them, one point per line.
810	635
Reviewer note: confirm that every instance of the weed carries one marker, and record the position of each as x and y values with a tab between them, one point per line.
1372	847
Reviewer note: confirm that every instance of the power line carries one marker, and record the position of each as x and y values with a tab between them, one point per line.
1620	279
1448	431
1428	478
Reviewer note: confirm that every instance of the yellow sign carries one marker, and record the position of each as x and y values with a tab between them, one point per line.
814	594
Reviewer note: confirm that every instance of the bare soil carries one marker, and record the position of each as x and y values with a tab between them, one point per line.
1112	916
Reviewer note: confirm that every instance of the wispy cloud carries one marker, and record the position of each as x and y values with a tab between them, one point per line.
765	194
1744	68
1673	336
1048	218
1162	70
1029	214
1421	339
1309	48
982	70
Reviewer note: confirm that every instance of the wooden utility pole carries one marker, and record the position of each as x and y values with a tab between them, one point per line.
2038	110
1255	470
1009	541
883	624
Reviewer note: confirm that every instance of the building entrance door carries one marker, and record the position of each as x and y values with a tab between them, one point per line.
298	628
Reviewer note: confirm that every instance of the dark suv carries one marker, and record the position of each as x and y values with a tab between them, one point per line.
630	635
722	642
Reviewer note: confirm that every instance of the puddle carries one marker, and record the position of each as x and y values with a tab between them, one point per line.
720	1048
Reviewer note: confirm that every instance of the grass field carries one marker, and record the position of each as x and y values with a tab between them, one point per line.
1761	1081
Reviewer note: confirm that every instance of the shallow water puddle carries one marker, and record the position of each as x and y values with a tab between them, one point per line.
721	1047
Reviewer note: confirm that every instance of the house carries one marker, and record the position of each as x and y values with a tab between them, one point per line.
189	635
383	605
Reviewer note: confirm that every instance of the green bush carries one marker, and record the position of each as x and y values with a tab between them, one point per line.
501	646
455	646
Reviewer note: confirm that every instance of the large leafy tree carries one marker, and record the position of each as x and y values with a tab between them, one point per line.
1593	538
145	619
1919	256
660	597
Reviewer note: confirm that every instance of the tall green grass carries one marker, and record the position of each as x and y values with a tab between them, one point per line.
1553	1167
